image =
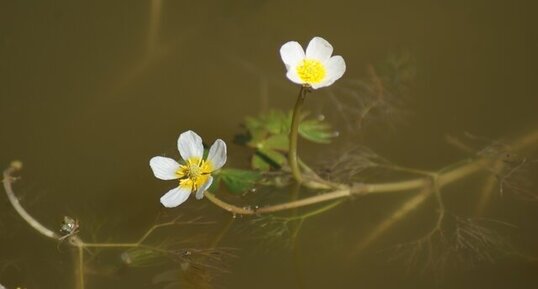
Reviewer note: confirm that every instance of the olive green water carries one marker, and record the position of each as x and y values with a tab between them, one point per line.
89	92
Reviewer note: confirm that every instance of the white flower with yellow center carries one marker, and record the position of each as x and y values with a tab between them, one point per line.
195	174
315	68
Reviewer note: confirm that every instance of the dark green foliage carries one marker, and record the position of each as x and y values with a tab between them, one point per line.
237	181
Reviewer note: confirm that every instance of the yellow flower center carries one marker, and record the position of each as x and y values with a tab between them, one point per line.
194	173
311	71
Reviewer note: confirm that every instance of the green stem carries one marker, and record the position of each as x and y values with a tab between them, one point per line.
444	178
294	132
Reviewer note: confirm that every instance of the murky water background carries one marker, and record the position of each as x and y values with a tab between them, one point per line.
89	92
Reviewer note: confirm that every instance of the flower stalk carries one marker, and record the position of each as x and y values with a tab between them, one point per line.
294	135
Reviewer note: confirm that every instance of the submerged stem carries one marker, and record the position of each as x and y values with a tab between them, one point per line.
445	176
490	183
8	180
80	270
408	206
294	132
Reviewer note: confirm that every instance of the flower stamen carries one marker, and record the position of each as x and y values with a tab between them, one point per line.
194	173
311	71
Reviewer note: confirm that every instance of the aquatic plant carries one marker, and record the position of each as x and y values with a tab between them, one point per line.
272	139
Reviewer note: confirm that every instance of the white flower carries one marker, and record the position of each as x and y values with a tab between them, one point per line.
195	174
317	68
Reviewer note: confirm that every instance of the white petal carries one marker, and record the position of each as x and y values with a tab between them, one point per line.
190	145
203	188
217	154
293	76
291	53
335	66
175	197
164	168
319	49
324	83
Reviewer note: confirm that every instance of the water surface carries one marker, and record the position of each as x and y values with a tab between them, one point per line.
91	91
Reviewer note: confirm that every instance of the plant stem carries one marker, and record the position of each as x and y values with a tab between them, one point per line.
8	180
313	212
80	270
407	207
491	183
445	176
444	179
294	132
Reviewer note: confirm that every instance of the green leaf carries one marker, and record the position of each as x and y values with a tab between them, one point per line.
238	181
276	122
252	123
256	131
268	134
259	163
316	131
276	142
265	159
274	156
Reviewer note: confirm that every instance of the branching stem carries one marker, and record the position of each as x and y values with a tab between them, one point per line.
441	178
444	176
75	240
